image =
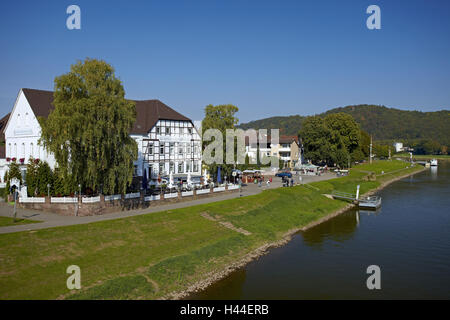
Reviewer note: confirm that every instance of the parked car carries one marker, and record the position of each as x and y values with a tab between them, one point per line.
283	174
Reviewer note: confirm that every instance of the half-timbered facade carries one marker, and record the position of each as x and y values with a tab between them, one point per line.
171	146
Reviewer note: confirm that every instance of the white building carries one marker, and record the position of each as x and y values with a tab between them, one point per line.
287	150
398	146
167	141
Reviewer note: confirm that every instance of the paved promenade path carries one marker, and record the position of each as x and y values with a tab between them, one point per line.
50	220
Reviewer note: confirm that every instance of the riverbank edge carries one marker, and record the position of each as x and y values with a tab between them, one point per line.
215	276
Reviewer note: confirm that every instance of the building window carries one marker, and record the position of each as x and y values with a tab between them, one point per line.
172	148
158	131
180	148
188	166
195	166
190	130
188	151
161	168
167	130
150	148
172	167
161	149
180	167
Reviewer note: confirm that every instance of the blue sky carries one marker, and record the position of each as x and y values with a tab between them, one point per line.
266	57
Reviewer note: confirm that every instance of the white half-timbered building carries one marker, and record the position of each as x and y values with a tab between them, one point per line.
167	141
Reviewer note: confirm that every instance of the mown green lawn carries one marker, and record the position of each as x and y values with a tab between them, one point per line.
149	256
7	221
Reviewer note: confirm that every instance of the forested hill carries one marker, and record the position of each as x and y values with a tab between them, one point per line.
382	122
289	125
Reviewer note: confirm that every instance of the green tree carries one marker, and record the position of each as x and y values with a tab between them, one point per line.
334	139
220	117
365	143
381	151
316	139
348	129
31	177
58	183
5	177
431	147
88	131
44	177
13	172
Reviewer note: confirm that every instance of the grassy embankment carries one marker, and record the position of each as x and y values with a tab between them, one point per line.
444	157
7	221
149	256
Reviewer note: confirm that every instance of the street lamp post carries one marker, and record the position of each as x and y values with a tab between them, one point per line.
15	206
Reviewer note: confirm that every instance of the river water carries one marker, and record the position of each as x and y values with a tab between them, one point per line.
408	238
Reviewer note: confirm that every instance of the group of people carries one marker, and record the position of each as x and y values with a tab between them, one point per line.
287	182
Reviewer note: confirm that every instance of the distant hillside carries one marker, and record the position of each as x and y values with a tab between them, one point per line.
289	125
382	122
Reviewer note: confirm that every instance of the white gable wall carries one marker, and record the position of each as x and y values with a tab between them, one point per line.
22	134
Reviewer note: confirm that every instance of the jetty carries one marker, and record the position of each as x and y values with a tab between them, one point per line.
369	202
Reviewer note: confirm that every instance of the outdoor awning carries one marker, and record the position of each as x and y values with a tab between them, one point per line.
308	166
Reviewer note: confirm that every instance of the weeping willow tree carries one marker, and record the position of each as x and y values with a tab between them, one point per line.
88	130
